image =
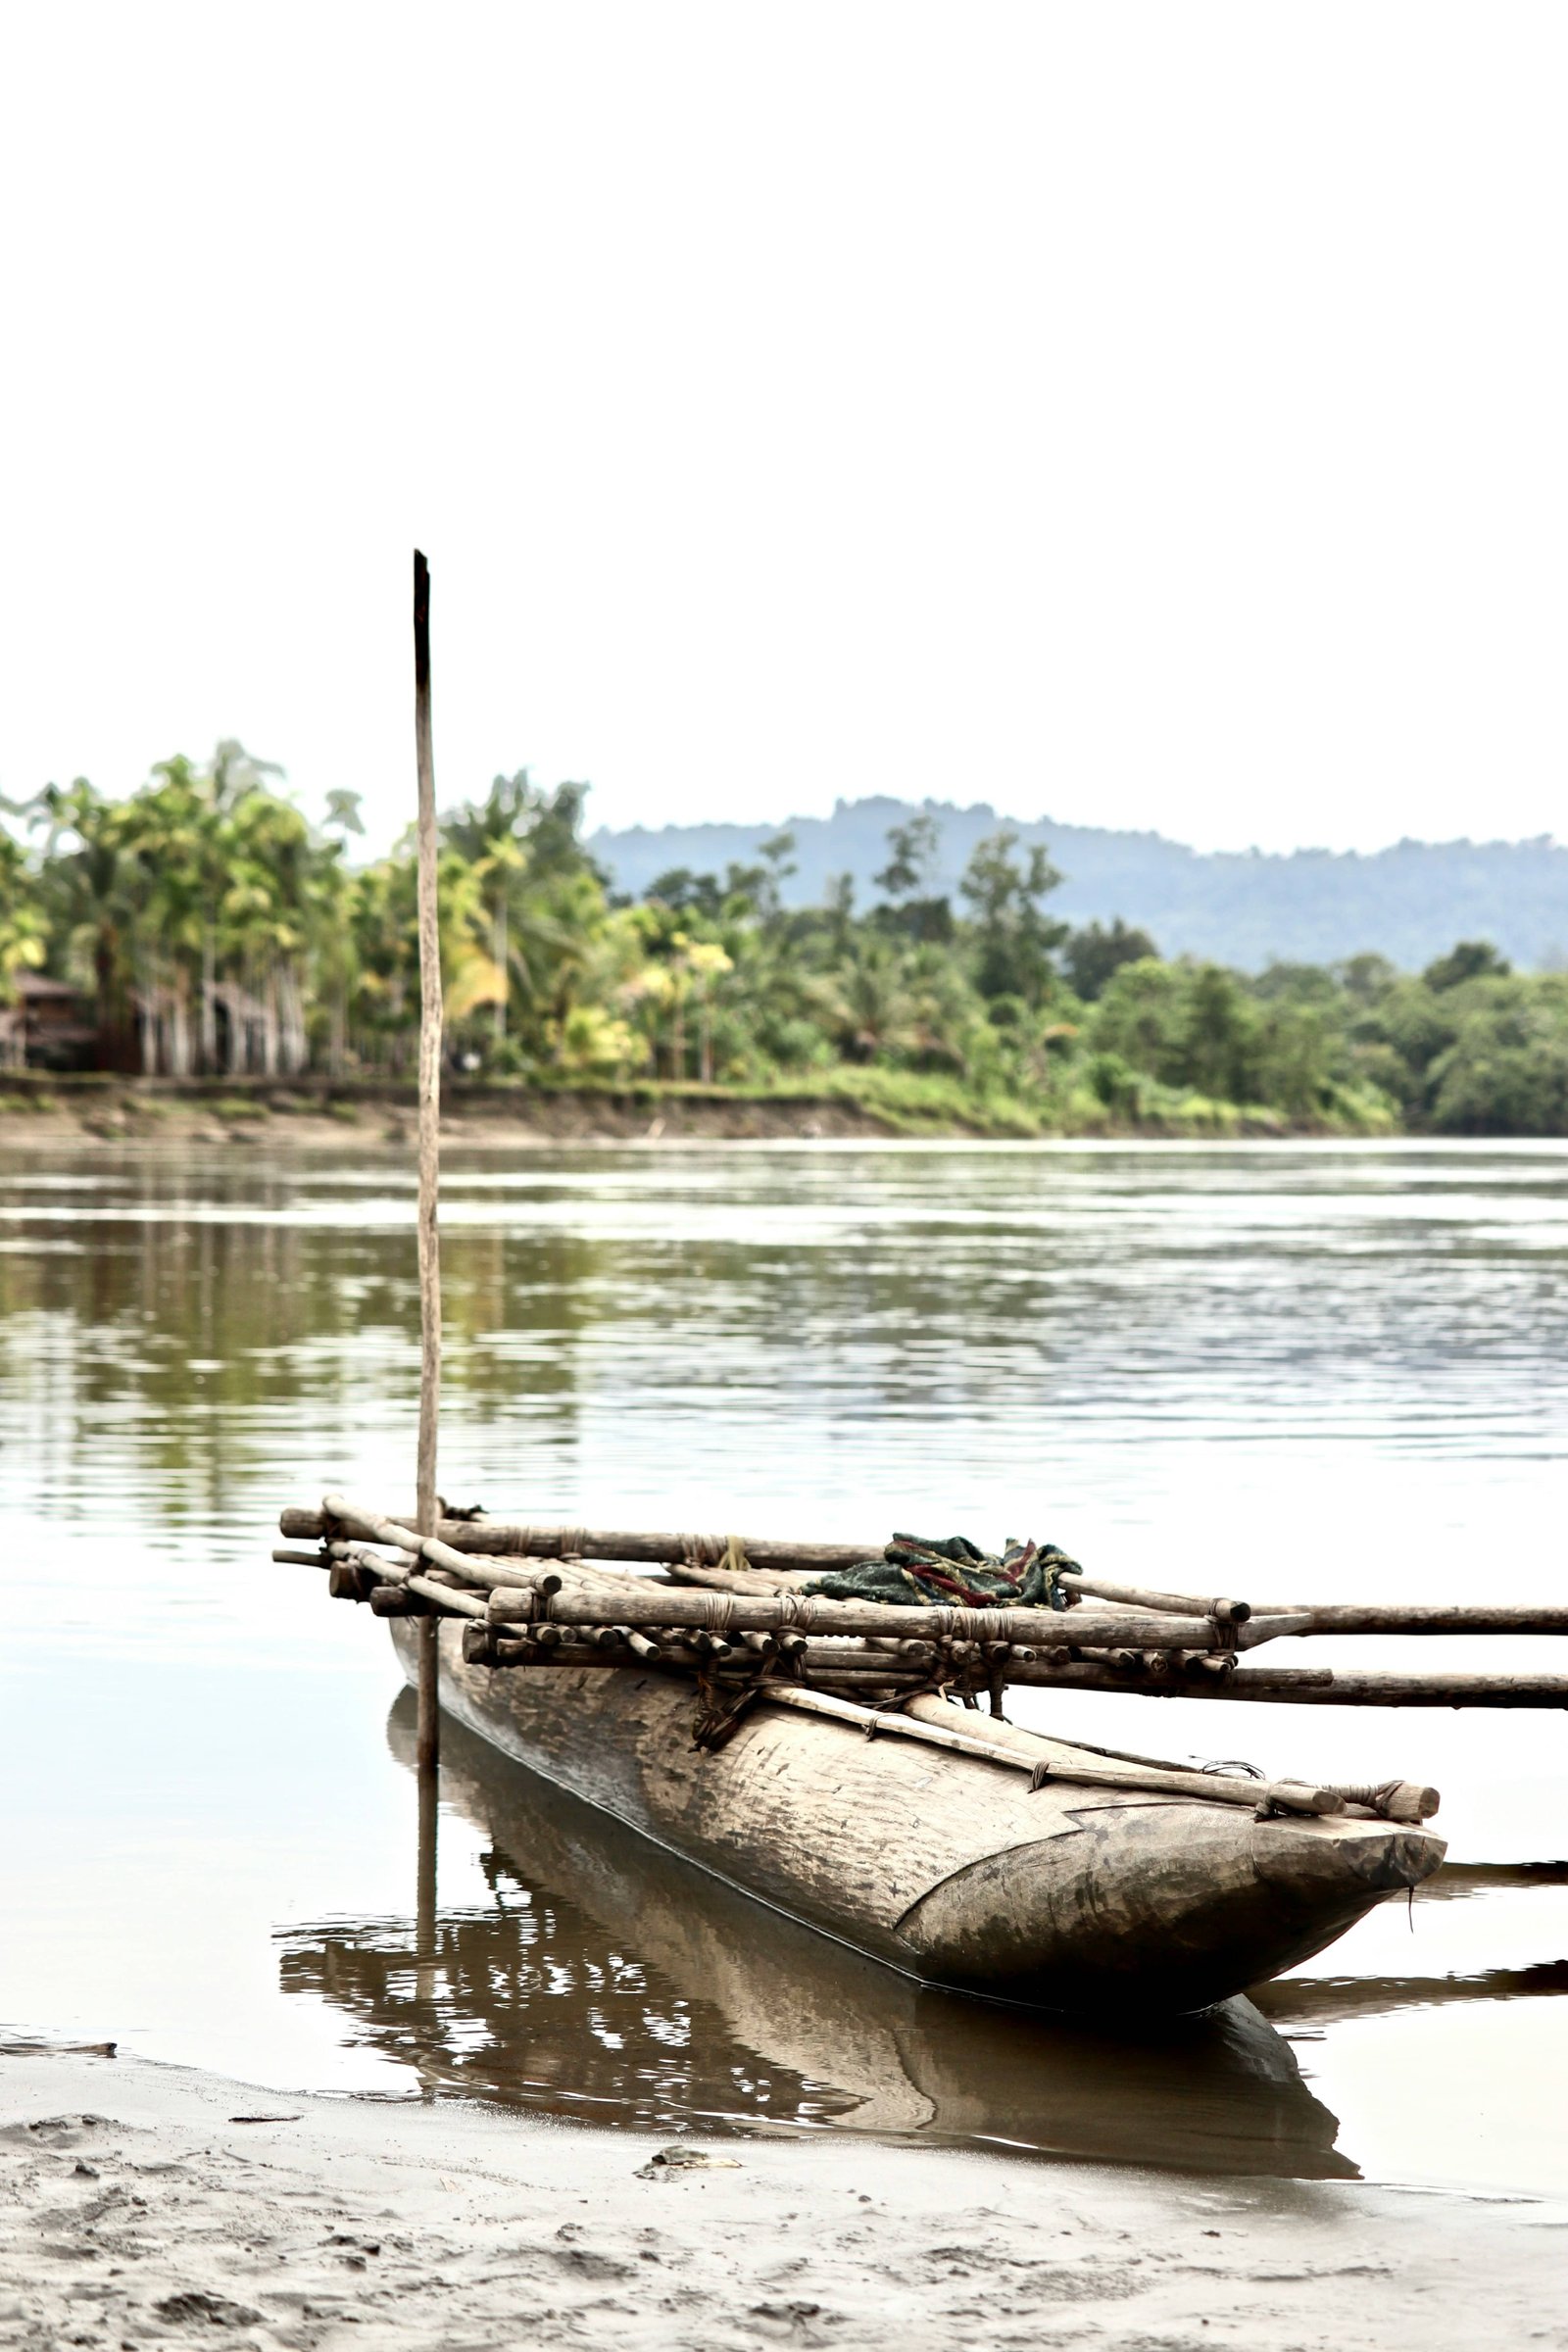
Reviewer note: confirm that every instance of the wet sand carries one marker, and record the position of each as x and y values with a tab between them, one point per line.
137	2205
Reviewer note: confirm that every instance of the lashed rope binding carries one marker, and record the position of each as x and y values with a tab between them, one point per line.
719	1711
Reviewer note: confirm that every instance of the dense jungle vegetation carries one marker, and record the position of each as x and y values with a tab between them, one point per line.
213	929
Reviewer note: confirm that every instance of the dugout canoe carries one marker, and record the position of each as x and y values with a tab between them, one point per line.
610	1978
948	1867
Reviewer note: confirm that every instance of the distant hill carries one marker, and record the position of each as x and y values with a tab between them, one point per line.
1409	902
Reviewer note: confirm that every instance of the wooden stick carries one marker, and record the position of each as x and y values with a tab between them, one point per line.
1227	1612
1101	1672
425	1884
1212	1788
1394	1801
403	1594
471	1569
347	1580
340	1514
396	1600
1406	1802
1310	1685
732	1580
1513	1617
447	1603
427	1746
1332	1689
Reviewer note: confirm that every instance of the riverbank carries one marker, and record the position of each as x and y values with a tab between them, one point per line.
844	1104
156	2204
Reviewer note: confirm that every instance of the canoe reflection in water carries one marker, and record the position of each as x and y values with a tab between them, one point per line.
613	1981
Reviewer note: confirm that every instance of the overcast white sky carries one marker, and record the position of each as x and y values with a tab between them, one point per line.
1149	416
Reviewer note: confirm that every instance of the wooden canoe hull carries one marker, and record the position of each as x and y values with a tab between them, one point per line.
584	1905
947	1866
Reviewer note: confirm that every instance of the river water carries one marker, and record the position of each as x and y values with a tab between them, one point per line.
1320	1370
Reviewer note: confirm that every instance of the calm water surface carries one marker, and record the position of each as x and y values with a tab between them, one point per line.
1332	1371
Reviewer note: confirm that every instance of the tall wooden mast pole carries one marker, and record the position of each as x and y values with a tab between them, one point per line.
429	1733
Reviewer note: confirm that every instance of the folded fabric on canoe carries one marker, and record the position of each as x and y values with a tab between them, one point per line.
935	1573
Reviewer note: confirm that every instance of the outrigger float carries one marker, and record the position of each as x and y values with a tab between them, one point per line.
807	1749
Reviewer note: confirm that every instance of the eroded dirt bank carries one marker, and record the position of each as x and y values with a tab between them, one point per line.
316	1110
131	1113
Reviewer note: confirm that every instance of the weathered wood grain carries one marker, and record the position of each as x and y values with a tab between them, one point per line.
948	1866
929	1726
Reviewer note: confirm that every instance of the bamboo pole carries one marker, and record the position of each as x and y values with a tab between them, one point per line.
429	1737
905	1664
806	1613
645	1603
501	1540
833	1661
505	1538
1303	1685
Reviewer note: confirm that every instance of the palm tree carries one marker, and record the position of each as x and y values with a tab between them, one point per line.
23	933
874	1011
541	893
87	898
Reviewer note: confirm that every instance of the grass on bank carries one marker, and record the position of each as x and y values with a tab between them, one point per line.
919	1103
906	1103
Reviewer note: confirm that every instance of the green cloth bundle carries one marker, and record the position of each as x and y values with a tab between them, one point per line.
919	1572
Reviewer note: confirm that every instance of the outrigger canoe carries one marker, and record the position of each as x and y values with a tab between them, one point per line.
609	1979
950	1867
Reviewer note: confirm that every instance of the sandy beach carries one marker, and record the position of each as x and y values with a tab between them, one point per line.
147	2204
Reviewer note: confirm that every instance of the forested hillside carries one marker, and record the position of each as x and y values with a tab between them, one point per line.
1409	902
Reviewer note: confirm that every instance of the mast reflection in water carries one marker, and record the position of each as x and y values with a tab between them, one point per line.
613	1981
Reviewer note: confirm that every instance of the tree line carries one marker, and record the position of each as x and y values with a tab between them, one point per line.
215	931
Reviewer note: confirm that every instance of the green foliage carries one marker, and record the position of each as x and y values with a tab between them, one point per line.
1471	960
218	931
1016	939
1093	955
909	909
